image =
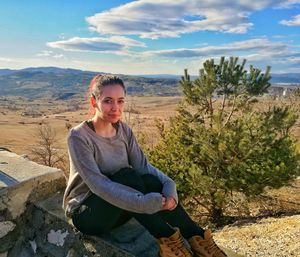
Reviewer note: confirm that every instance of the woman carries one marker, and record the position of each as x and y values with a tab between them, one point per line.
111	180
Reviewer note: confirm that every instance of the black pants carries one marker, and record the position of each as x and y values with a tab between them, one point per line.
98	216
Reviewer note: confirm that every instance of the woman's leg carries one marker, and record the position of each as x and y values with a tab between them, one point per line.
201	241
100	216
97	216
177	217
152	222
95	210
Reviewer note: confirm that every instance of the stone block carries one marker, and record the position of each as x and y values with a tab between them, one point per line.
21	181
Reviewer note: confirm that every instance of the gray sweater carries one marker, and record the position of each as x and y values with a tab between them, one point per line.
93	158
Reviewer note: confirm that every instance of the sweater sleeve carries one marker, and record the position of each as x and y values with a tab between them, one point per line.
139	162
124	197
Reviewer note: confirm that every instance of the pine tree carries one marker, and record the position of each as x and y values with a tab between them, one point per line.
219	144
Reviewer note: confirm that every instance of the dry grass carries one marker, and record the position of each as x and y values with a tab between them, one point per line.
266	237
17	129
19	117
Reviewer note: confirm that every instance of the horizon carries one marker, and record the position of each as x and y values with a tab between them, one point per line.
157	74
149	38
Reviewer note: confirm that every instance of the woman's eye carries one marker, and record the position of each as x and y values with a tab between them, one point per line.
110	101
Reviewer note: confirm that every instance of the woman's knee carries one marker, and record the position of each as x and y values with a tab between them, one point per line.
129	177
152	183
146	183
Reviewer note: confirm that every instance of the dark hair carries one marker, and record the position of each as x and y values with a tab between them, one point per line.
100	81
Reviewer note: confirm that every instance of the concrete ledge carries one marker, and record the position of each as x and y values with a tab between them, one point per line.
15	169
22	180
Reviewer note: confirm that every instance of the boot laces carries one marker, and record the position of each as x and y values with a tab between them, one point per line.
212	248
178	247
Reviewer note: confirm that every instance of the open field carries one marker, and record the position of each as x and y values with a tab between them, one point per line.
19	117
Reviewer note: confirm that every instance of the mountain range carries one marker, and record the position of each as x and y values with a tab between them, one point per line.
62	83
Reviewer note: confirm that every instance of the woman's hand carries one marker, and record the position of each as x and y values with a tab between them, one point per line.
168	203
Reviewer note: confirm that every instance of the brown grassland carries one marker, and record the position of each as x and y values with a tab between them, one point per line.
19	119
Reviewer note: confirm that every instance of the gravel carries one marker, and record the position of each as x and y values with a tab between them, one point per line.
276	237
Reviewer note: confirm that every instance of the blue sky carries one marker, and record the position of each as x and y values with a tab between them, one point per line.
148	37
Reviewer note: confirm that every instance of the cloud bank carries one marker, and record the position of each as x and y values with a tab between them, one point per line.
258	50
258	45
295	21
164	18
167	19
116	44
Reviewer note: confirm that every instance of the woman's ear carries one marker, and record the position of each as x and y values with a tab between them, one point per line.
93	101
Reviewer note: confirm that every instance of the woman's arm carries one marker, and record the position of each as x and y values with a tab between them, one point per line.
139	162
127	198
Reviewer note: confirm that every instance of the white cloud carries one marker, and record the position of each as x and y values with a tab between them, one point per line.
165	18
3	59
295	21
45	53
58	56
50	54
287	3
290	61
260	45
126	41
115	44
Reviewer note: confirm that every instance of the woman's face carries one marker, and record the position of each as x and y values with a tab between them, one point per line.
110	103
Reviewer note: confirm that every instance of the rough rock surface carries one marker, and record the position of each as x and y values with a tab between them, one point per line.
22	181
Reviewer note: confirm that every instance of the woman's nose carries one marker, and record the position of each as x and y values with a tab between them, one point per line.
114	106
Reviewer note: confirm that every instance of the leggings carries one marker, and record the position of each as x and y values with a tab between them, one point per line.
99	216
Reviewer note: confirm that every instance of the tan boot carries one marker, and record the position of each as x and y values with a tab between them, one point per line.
173	246
205	247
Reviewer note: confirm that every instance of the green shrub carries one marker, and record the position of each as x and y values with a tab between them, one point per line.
219	144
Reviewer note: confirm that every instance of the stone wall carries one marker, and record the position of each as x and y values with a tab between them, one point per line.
32	222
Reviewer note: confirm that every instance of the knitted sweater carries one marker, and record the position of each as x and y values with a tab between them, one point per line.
93	158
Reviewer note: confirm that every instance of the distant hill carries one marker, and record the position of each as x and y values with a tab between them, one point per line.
6	71
52	70
59	83
65	83
285	78
165	76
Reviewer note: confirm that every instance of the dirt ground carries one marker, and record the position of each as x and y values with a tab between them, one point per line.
265	237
